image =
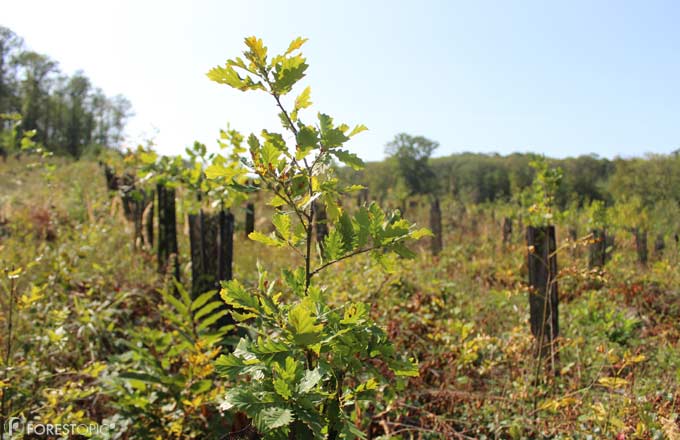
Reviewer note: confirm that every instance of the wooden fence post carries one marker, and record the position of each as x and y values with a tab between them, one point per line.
167	230
212	249
111	178
149	219
225	246
507	230
598	247
250	219
641	245
436	227
543	295
659	245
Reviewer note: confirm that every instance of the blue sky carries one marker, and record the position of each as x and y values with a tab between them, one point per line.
559	78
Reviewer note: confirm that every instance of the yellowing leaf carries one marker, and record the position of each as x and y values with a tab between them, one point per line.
420	233
217	171
295	44
358	129
258	51
613	382
301	102
265	239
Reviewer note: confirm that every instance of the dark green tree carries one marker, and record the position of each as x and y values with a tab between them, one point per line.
411	156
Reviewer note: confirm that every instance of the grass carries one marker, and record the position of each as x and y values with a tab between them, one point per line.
83	289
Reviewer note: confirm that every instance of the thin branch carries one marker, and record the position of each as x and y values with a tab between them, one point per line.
344	257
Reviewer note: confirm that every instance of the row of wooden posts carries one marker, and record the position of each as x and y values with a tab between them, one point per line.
210	234
212	248
542	271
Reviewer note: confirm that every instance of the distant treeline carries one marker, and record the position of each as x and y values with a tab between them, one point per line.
479	178
68	113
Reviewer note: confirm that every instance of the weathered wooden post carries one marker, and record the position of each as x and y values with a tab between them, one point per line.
320	223
111	178
659	245
148	213
507	230
598	247
543	295
250	219
610	243
167	230
211	238
641	245
225	245
212	249
436	226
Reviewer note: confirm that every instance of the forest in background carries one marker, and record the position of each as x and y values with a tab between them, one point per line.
68	113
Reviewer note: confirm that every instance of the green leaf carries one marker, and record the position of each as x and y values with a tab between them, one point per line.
282	388
275	417
228	75
212	319
346	229
229	365
276	140
269	346
202	299
404	368
253	143
265	239
270	154
202	386
236	295
302	325
143	377
244	400
309	381
364	223
282	224
333	245
331	137
307	137
209	308
350	159
287	72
